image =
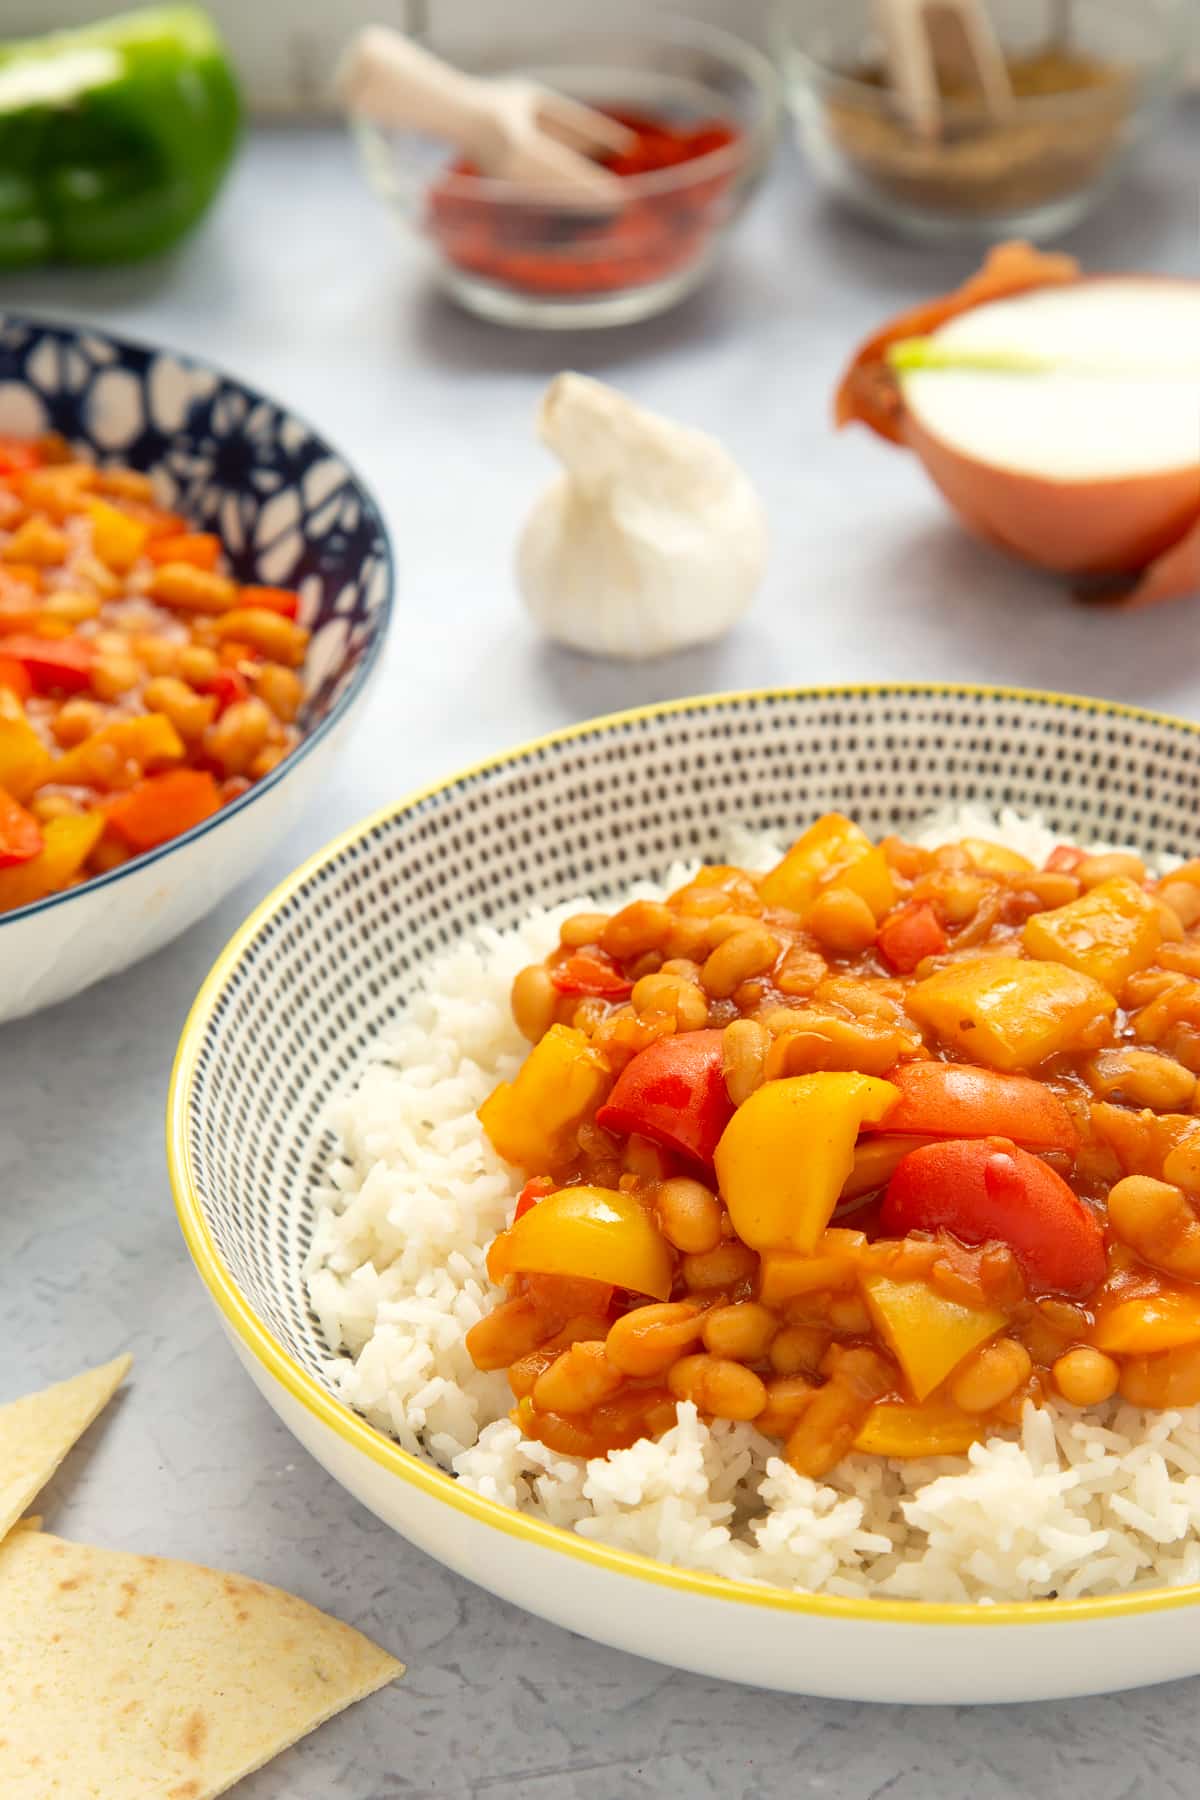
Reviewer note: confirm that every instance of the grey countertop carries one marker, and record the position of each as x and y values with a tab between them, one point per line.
298	284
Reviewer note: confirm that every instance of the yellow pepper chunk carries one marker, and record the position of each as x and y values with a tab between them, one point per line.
893	1428
24	759
1148	1322
529	1120
929	1334
995	859
149	740
597	1233
117	539
66	845
784	1157
834	850
1109	933
1009	1013
784	1275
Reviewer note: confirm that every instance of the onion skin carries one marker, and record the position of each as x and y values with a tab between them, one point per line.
1074	528
1145	525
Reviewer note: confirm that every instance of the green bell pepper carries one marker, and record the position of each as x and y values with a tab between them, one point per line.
113	138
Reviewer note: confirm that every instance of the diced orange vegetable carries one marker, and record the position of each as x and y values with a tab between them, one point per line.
20	834
200	548
1156	1320
530	1119
834	850
66	845
995	859
785	1275
785	1155
928	1333
1012	1014
595	1233
935	1428
24	759
272	599
147	739
117	539
163	806
1108	933
63	664
15	677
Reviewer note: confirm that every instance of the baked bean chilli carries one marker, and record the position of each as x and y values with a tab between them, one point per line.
870	1150
141	686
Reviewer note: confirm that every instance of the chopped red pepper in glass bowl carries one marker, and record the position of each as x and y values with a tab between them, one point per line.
704	110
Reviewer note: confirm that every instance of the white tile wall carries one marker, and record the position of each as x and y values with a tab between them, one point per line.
287	48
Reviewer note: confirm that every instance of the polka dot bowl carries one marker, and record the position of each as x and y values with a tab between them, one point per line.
293	1006
292	513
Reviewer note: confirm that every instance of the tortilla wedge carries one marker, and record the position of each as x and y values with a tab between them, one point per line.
127	1677
37	1431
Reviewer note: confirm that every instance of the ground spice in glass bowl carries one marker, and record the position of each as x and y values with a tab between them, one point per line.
984	165
704	109
1081	102
540	249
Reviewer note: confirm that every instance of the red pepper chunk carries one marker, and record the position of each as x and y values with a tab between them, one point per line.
163	806
591	972
200	548
910	934
1064	859
20	833
673	1093
944	1099
984	1189
534	1190
62	664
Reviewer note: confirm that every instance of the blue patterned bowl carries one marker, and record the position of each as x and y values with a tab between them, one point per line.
291	513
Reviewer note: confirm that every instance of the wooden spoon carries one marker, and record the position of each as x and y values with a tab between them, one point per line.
922	35
511	128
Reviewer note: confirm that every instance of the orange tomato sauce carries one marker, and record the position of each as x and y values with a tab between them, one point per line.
868	1150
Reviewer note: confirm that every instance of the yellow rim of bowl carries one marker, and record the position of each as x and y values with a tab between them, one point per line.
359	1436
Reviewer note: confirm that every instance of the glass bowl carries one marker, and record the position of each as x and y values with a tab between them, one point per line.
524	262
1034	174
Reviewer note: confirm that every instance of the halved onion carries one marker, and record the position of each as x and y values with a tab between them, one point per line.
1059	415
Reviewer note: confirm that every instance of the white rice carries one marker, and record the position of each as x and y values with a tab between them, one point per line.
1082	1503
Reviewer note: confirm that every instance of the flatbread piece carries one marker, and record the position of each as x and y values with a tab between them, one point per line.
37	1431
127	1677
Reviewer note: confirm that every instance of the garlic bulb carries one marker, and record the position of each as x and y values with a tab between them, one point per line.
653	539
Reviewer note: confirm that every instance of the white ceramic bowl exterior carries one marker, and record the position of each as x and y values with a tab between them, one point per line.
291	512
317	973
50	952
